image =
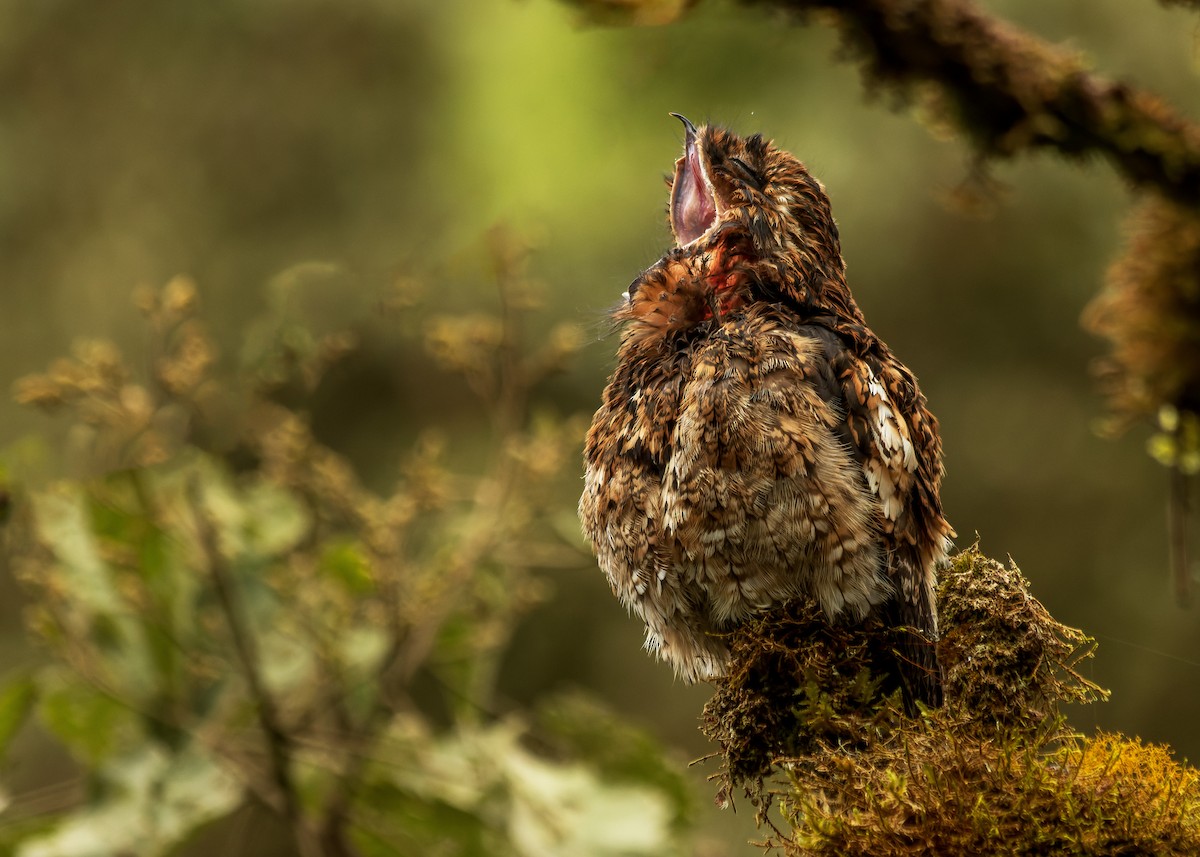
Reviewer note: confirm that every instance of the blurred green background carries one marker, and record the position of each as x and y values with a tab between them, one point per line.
233	140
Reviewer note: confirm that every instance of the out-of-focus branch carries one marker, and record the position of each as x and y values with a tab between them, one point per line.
1010	91
276	737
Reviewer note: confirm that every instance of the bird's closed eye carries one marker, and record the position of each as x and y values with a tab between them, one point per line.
743	169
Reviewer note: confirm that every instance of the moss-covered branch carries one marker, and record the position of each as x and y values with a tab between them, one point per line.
1004	88
805	718
1010	91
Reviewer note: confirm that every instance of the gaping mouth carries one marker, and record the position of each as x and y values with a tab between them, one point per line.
693	201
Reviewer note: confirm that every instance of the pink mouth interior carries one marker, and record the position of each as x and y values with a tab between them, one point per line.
693	209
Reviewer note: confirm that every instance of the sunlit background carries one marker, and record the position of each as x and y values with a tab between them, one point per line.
232	140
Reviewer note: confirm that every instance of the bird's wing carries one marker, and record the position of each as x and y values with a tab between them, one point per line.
621	508
625	453
882	437
895	438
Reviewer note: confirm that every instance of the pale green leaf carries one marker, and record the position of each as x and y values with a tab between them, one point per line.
87	721
274	521
546	808
363	647
63	525
153	802
287	664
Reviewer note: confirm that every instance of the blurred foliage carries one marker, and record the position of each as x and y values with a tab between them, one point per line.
804	720
1002	88
232	617
1150	310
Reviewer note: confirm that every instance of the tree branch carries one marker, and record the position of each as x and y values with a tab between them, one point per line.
1011	91
245	648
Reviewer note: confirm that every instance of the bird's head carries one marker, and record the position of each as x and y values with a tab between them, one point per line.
766	210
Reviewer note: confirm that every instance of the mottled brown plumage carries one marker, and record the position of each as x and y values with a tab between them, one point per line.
757	441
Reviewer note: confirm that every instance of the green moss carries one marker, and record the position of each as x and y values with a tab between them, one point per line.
807	718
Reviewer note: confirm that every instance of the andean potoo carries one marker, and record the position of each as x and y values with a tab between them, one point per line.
757	442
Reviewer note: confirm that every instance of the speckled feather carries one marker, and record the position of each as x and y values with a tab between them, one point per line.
756	441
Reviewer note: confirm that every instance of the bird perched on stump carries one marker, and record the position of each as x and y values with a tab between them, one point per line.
757	442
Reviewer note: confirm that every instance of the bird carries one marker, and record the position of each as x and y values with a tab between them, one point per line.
756	441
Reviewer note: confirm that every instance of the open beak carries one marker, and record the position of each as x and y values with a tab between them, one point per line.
693	202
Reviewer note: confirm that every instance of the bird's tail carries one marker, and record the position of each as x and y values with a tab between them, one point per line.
914	648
